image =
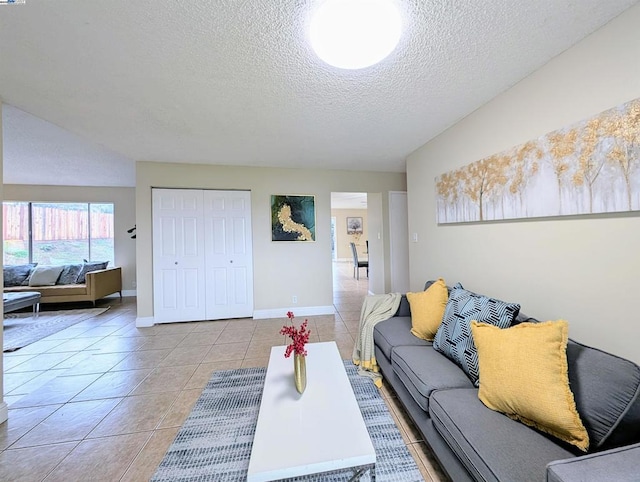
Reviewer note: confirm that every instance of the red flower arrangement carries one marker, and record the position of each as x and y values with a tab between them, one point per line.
300	337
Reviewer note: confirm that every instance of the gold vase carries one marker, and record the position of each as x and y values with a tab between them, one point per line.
300	372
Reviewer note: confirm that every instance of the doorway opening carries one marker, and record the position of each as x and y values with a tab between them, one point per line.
349	224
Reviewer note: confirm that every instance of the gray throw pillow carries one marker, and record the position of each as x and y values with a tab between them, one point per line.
16	275
45	275
69	274
86	267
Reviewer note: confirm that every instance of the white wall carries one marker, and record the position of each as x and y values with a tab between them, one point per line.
379	272
584	269
343	248
399	242
123	199
281	269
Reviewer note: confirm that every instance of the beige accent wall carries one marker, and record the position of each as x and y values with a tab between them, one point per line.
585	269
123	199
3	406
281	269
343	248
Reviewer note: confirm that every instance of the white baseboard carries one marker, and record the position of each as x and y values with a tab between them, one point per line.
124	293
147	321
4	412
144	321
298	310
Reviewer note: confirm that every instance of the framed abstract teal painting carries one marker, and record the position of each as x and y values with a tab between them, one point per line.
293	218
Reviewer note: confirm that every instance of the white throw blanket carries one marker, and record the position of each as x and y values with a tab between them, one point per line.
376	308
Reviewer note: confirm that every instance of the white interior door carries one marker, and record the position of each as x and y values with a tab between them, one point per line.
399	242
178	255
228	254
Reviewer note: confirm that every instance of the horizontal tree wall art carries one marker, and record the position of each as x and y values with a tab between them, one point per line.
590	167
293	218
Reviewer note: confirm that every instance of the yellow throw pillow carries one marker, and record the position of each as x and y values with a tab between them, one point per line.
524	374
427	309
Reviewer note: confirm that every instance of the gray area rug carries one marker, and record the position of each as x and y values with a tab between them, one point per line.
214	444
22	329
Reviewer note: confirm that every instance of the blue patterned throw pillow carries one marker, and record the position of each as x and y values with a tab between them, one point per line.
69	274
17	275
87	267
454	339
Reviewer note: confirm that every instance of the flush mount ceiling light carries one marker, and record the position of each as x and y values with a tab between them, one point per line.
353	34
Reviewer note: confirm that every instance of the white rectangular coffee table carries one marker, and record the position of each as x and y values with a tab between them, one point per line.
321	430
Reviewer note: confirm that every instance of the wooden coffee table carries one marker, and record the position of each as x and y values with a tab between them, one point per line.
321	430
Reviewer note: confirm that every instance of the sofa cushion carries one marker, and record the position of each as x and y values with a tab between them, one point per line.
17	274
57	290
454	338
43	275
395	331
69	274
86	267
491	446
522	318
523	374
607	393
427	309
423	370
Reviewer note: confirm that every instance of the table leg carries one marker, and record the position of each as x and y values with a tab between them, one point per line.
363	470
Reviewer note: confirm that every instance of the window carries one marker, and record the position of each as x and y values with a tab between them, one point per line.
101	247
57	233
16	232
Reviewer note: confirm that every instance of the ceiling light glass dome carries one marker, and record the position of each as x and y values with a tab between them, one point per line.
354	34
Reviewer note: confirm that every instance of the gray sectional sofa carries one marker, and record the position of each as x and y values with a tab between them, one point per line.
474	443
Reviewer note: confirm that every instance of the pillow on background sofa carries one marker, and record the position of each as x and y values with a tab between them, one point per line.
45	275
91	266
16	275
454	339
524	374
427	309
69	274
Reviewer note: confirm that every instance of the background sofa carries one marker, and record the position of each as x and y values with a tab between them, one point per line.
81	282
475	443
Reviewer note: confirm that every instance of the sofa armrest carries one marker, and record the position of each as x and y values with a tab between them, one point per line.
621	464
104	282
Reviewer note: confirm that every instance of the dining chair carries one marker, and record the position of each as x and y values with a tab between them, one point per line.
358	264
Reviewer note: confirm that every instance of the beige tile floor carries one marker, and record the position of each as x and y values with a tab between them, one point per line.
103	400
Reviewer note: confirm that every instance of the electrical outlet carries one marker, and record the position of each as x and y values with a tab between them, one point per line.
294	299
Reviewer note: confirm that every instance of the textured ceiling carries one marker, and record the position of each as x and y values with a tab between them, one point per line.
235	82
349	200
38	152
